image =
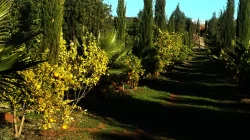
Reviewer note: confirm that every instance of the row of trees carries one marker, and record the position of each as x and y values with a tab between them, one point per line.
229	39
75	46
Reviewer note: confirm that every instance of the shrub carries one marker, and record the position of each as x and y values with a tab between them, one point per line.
135	70
169	50
237	63
79	69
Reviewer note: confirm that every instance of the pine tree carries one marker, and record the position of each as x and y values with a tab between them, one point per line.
121	20
160	15
243	23
52	19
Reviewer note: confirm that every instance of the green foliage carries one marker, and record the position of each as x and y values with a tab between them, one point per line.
213	28
190	32
160	15
243	24
26	17
121	20
198	27
146	30
135	70
114	48
169	50
12	50
132	26
171	23
95	15
227	27
232	52
12	60
216	33
124	68
45	85
52	19
177	20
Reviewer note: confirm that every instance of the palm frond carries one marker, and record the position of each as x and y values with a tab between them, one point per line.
12	56
117	71
8	63
117	74
122	54
4	8
20	38
110	44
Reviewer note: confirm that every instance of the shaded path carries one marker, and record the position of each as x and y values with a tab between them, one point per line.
195	102
199	77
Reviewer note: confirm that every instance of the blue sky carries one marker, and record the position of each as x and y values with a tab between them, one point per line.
202	9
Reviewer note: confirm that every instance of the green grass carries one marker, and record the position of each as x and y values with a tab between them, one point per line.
194	102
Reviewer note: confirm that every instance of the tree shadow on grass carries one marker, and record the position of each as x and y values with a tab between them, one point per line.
166	120
200	89
198	78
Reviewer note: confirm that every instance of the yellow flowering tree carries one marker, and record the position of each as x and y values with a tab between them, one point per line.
169	50
45	85
135	70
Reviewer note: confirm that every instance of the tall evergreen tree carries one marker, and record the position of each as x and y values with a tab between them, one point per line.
146	41
198	27
189	25
179	20
171	23
228	25
213	26
52	19
121	20
94	15
206	27
243	23
160	14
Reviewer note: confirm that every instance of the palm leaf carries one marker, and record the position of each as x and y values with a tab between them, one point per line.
12	56
117	74
118	58
110	44
4	8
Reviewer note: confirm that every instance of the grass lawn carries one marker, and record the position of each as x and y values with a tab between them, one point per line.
196	101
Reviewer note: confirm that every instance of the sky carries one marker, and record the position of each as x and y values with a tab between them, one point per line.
202	9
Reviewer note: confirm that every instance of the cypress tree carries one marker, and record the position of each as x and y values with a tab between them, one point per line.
160	15
228	24
212	26
52	18
121	20
243	23
198	27
179	20
206	27
171	23
94	15
147	26
190	31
